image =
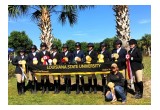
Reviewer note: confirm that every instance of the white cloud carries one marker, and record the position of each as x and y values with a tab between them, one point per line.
79	34
144	21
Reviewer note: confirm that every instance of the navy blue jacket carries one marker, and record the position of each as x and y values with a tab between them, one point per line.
80	55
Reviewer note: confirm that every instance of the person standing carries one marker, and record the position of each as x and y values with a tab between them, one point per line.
55	57
43	59
20	62
137	67
66	58
107	58
79	58
91	54
32	60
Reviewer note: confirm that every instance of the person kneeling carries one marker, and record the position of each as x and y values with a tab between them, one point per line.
115	85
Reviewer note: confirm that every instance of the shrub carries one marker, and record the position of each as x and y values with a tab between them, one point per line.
11	70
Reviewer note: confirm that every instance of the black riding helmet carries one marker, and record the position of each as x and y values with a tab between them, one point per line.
132	41
54	47
22	50
117	42
90	45
103	44
34	47
77	44
43	44
65	46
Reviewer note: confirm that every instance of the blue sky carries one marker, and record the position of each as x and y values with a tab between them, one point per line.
94	25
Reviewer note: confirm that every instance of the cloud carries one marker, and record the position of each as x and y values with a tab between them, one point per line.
79	34
144	21
19	21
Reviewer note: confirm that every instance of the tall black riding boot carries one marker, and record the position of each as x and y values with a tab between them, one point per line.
136	90
125	87
90	85
77	86
35	86
82	82
95	85
66	85
43	88
55	86
30	86
69	85
19	88
47	86
23	87
103	85
59	83
58	87
140	85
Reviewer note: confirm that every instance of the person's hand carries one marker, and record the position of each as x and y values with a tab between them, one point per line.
111	85
20	62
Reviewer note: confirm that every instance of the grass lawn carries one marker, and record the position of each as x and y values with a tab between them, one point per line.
80	99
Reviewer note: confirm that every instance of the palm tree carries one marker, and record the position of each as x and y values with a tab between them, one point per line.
147	43
122	23
42	15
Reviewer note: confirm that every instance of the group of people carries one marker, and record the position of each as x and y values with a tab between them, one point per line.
112	84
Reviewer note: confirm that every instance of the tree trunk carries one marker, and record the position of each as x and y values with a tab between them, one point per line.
149	51
45	27
122	24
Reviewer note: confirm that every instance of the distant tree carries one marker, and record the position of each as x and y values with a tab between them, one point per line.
71	45
58	43
109	42
96	46
16	40
146	43
84	46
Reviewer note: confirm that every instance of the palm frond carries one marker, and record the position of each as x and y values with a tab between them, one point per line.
17	10
62	18
68	12
36	15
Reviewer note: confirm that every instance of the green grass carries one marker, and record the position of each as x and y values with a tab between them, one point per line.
73	99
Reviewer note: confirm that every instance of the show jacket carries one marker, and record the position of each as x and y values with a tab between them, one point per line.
122	58
136	63
93	55
18	66
41	54
31	56
80	54
107	56
57	56
68	55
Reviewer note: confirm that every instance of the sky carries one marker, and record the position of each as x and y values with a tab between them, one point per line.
94	25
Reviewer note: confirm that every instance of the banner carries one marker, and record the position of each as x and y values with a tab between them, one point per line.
60	68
